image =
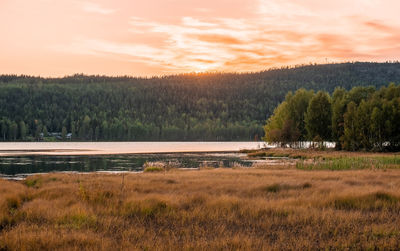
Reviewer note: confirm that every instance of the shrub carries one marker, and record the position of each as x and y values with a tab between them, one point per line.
33	182
153	169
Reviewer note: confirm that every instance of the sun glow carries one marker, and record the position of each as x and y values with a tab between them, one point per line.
202	67
150	37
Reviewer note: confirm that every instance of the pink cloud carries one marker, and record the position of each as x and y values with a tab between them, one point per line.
172	36
96	8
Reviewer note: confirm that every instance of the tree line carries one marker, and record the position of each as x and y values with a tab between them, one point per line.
363	118
208	106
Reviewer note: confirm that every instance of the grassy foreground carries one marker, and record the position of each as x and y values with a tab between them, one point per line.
232	209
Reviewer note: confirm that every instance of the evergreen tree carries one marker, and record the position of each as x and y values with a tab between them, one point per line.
64	133
38	130
215	106
22	130
13	130
4	129
73	131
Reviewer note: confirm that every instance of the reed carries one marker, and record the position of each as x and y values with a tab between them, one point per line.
216	209
347	163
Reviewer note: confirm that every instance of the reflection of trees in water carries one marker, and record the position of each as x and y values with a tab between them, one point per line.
45	164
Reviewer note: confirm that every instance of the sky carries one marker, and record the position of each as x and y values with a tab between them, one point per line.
161	37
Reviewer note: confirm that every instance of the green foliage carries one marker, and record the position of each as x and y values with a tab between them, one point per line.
64	133
152	169
338	109
286	125
275	124
349	138
318	118
360	119
22	130
186	107
297	109
33	182
13	131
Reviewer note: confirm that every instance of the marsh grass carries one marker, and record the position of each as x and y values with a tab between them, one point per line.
148	208
269	154
152	169
219	209
347	163
316	153
33	182
375	201
275	188
77	220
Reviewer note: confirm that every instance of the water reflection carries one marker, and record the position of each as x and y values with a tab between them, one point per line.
20	166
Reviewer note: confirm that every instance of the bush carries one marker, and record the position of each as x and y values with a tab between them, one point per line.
153	169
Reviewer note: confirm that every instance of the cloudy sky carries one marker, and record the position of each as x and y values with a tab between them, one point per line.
159	37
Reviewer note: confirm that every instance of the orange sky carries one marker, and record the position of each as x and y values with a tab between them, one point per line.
158	37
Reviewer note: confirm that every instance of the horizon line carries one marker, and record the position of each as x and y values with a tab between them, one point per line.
194	73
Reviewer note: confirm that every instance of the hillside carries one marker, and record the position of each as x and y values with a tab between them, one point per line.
212	106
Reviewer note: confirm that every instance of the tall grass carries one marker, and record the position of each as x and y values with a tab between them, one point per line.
225	209
348	163
314	153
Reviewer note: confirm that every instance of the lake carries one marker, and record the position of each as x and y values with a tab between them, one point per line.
96	148
19	159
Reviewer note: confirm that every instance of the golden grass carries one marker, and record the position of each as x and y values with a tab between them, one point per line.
228	209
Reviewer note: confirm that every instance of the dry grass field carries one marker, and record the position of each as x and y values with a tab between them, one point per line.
220	209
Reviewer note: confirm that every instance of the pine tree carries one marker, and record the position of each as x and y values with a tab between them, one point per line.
64	133
22	130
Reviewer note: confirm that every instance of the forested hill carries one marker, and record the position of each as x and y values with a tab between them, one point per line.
183	107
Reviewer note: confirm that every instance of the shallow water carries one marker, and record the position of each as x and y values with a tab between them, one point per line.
17	167
17	160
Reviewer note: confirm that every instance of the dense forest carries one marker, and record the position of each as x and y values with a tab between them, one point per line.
360	119
208	106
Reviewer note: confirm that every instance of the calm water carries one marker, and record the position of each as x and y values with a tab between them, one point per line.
20	159
92	148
